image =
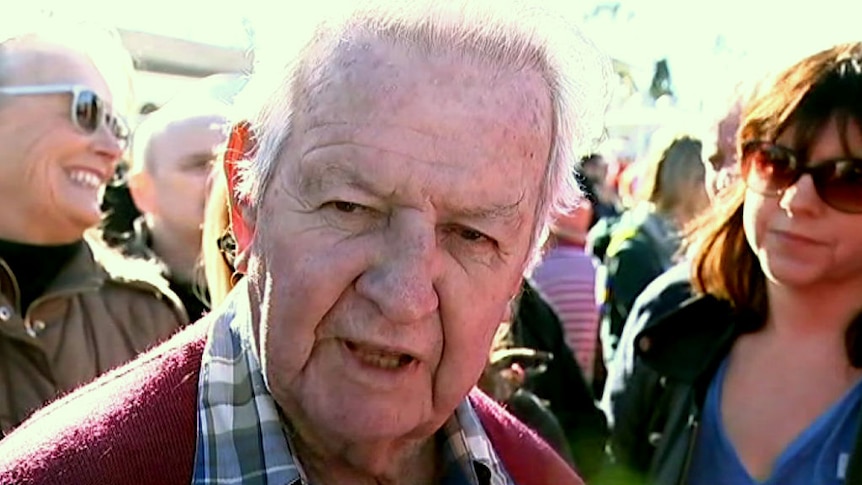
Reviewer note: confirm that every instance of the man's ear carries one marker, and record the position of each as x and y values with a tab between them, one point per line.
241	147
142	191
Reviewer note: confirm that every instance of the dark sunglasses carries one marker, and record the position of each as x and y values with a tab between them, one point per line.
769	169
88	110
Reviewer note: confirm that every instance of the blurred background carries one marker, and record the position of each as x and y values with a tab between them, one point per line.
674	58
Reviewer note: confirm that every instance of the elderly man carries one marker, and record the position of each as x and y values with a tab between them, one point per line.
392	186
69	308
173	152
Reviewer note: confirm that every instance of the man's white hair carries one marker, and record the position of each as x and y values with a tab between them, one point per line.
507	33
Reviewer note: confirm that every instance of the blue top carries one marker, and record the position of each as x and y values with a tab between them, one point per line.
818	456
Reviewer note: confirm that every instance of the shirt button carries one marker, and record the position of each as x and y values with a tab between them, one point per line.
5	313
644	344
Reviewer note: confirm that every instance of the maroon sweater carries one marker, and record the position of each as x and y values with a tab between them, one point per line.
137	424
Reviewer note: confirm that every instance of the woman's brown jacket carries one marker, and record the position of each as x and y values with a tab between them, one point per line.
100	311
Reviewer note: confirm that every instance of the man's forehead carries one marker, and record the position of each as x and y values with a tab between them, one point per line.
386	87
198	123
367	70
184	136
402	103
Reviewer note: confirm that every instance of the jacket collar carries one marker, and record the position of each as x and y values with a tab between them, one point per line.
690	342
80	272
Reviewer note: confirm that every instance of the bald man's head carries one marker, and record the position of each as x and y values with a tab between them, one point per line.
174	150
173	134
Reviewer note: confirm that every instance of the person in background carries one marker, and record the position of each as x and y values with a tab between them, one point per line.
118	209
593	175
758	378
646	240
561	384
673	288
503	379
70	308
391	186
174	151
566	278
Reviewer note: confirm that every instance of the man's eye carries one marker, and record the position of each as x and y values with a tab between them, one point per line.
471	235
347	207
350	216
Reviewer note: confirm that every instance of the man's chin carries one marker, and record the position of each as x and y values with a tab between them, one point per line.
367	422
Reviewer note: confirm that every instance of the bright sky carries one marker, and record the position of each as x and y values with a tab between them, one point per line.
754	34
217	22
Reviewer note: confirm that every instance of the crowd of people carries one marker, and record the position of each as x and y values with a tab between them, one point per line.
395	252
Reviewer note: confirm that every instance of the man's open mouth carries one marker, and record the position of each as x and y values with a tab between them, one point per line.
377	357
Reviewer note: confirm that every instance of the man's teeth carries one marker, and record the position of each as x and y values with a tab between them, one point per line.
378	360
384	360
87	179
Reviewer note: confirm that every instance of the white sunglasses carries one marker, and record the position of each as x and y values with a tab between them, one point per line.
88	110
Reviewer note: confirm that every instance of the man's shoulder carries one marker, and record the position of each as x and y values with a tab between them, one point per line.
136	421
527	458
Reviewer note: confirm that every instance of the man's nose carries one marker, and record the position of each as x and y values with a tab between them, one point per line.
402	282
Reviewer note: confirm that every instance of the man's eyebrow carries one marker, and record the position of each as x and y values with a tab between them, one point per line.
506	212
319	177
203	154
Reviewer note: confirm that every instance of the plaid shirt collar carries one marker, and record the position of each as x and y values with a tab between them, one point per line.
242	440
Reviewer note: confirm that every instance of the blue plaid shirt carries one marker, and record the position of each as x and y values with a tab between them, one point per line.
242	440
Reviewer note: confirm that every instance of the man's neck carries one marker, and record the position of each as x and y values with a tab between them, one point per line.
375	464
180	254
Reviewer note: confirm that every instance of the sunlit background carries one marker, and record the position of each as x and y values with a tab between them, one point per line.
706	46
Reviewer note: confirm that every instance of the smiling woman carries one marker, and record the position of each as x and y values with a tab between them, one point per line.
70	308
63	138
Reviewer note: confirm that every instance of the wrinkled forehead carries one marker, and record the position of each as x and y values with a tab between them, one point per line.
200	136
366	71
210	125
463	117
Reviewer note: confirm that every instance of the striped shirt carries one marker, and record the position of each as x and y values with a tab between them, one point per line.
566	278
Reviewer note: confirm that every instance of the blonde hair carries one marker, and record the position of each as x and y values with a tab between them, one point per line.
218	274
